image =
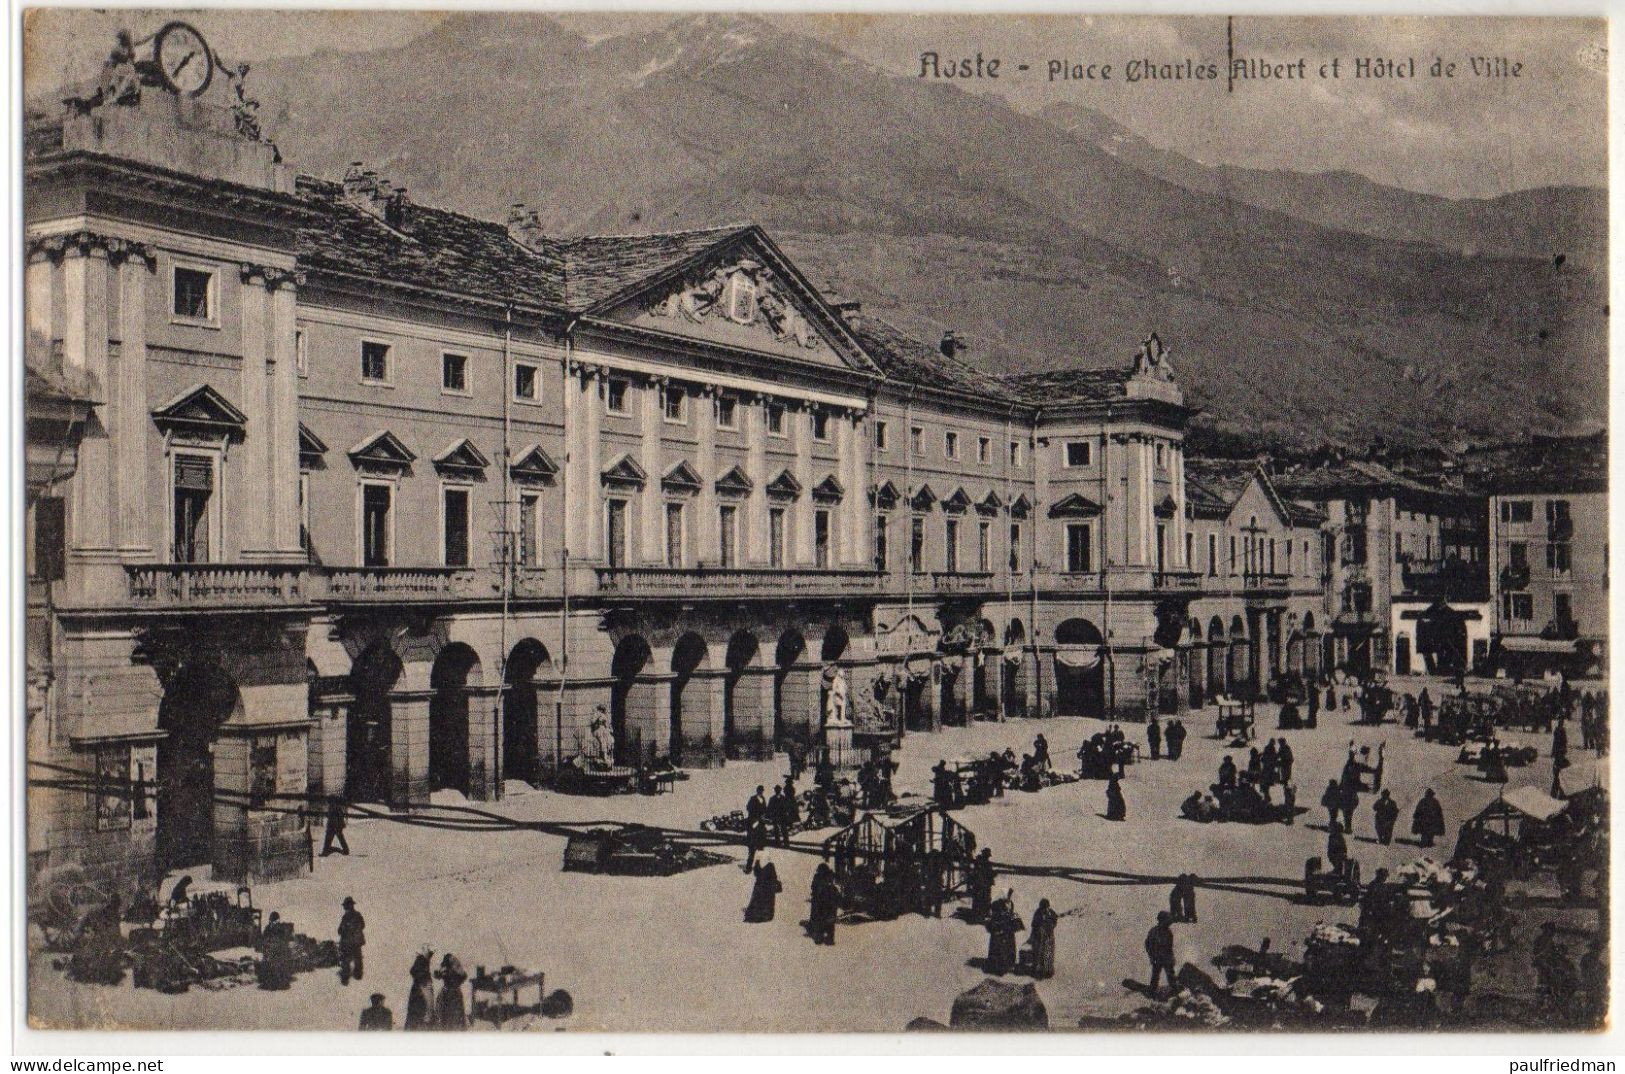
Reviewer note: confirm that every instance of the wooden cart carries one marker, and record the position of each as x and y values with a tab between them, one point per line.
496	996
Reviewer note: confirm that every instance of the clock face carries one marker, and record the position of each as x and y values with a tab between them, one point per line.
184	58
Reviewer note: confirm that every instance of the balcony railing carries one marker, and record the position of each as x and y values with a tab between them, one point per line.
385	584
961	581
1270	582
734	581
174	585
1176	580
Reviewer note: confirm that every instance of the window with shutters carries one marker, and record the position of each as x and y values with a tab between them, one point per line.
984	546
950	539
775	537
1015	547
916	545
1079	549
822	552
882	559
616	535
454	526
377	525
674	535
193	499
528	552
727	535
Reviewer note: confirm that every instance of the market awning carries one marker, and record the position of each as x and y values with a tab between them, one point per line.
1081	657
1534	803
1523	644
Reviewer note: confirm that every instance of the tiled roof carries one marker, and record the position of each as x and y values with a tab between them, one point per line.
911	361
1543	462
439	250
1305	514
1217	482
1350	476
1067	385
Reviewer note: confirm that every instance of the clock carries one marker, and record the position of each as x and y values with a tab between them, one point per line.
183	58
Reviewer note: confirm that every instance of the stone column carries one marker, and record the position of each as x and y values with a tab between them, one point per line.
409	738
84	349
752	738
755	527
39	294
129	425
588	501
800	554
328	752
702	724
653	545
251	505
1177	480
704	528
283	421
574	464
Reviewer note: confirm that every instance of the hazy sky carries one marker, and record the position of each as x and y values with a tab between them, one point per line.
1466	136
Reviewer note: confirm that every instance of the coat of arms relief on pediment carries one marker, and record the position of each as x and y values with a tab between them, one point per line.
743	293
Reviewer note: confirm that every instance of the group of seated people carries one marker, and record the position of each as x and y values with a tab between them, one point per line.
1248	796
1105	754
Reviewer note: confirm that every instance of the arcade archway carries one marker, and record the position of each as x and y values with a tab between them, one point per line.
369	731
521	709
687	657
455	674
631	699
1080	673
198	698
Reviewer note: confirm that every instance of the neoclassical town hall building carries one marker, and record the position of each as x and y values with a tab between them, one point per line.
335	493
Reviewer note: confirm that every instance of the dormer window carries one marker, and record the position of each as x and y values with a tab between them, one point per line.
741	298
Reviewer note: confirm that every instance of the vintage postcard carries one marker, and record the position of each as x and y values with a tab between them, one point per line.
803	522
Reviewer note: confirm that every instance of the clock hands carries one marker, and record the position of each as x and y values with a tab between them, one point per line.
176	73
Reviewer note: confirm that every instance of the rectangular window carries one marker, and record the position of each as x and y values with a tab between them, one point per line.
984	546
304	513
1286	550
528	553
374	362
727	412
454	527
193	496
674	535
882	552
880	436
1015	453
1015	547
1232	553
50	551
674	404
1190	551
301	353
775	537
1272	555
615	396
1518	554
1079	552
261	770
1517	511
527	383
376	536
727	535
615	533
950	540
454	373
1399	548
775	419
916	544
1212	555
194	295
1519	607
1162	548
916	440
950	444
1562	607
984	450
820	425
1078	452
1162	456
113	796
821	539
1559	557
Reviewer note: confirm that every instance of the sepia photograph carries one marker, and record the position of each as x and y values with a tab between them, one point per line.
770	522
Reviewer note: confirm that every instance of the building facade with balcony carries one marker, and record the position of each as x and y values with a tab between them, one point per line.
372	499
1406	580
1257	558
1548	552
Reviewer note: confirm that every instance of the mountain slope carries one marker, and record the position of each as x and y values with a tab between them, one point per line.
946	209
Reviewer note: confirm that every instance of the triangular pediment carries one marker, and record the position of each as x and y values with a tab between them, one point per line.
829	490
681	478
624	471
200	410
924	498
382	449
989	504
461	456
311	446
1021	506
743	293
534	464
886	495
735	483
785	486
956	501
1075	506
1167	508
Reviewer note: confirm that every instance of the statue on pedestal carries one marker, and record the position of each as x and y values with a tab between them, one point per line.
835	698
597	748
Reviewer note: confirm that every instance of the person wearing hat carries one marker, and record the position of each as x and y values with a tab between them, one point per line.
352	938
450	1012
377	1016
1159	948
420	1001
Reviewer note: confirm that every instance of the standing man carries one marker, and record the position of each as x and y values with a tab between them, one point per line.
1384	813
377	1016
1283	760
1427	821
352	938
335	828
1159	948
776	817
1153	738
1176	739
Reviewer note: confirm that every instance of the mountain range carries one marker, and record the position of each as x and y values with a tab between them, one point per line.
1300	308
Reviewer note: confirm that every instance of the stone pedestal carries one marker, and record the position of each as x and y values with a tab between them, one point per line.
838	746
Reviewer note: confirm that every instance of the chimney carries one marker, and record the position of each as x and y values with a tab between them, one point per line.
354	181
395	209
524	225
951	344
